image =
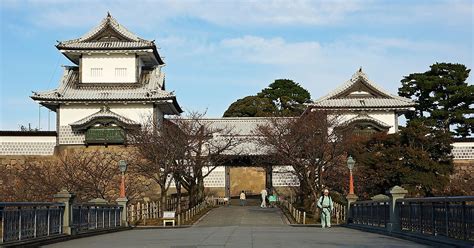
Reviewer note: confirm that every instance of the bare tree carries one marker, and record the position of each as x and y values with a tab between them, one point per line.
88	174
155	153
310	144
204	146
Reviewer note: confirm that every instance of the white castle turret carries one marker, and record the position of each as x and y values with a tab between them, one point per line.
364	106
115	83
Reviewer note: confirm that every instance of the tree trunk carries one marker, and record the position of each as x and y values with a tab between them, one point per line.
192	194
315	208
200	189
163	200
178	194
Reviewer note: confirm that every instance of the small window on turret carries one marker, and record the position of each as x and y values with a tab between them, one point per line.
96	72
120	72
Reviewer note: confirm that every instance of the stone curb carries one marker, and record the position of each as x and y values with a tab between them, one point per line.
418	238
61	238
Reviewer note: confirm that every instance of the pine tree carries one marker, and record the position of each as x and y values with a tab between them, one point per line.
444	98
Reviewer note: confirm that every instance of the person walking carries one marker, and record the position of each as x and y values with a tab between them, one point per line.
326	206
242	198
264	198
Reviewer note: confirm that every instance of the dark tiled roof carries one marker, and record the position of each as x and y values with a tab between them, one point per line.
106	45
363	103
27	133
384	99
108	35
107	25
149	88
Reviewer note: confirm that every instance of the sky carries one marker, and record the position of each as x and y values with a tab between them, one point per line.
219	51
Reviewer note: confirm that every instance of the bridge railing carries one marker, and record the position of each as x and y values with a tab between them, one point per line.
372	213
87	217
21	221
451	217
28	223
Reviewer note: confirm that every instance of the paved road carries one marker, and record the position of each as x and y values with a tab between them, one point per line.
240	227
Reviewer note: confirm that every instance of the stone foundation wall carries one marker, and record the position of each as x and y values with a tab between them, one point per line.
462	180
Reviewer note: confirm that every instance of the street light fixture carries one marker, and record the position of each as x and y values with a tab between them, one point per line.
123	167
350	164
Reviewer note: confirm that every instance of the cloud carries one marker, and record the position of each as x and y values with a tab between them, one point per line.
322	66
143	13
271	51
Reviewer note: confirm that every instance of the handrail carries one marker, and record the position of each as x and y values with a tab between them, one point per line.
13	204
96	205
369	202
438	199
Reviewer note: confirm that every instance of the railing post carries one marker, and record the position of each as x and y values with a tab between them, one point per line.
19	223
35	223
67	198
395	193
463	221
446	209
2	213
48	217
433	219
351	198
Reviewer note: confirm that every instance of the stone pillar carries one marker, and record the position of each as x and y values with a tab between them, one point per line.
123	203
351	198
395	193
67	198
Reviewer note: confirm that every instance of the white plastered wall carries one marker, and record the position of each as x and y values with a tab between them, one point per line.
463	150
27	145
74	112
387	117
109	63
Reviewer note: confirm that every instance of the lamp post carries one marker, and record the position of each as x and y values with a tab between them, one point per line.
123	167
350	165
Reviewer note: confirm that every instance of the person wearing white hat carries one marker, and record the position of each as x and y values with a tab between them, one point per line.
326	206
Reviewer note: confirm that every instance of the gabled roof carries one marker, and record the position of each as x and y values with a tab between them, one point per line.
108	35
366	118
148	89
104	114
361	93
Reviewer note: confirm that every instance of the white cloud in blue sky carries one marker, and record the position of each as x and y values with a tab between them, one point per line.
219	51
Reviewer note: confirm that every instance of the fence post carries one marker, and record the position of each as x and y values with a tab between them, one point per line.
395	193
67	198
122	202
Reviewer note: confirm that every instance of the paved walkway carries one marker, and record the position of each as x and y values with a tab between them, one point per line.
240	227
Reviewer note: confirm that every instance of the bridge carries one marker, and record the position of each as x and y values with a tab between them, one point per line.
236	226
446	221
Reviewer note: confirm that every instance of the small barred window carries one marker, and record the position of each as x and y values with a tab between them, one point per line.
96	72
120	72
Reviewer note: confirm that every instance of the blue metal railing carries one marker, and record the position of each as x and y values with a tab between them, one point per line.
451	217
29	220
372	213
87	216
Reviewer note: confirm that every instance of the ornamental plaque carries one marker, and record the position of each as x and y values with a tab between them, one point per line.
105	135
